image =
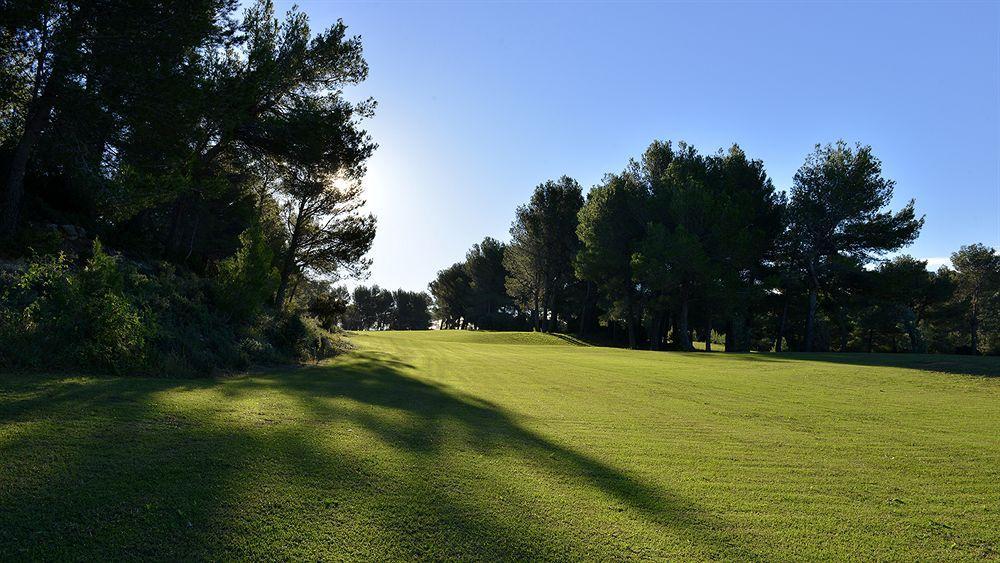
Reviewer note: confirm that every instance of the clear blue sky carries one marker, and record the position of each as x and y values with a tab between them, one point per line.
480	102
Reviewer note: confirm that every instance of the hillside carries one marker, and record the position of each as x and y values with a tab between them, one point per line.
490	445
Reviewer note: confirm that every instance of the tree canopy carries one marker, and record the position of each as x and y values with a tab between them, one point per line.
680	246
209	146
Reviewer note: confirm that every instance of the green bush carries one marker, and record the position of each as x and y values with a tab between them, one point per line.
303	338
246	281
192	338
41	241
55	316
110	316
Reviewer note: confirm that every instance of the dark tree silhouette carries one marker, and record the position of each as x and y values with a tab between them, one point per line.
837	208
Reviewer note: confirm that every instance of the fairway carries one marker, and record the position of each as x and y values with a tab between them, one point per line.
466	445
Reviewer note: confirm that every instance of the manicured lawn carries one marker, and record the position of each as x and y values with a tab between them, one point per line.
483	446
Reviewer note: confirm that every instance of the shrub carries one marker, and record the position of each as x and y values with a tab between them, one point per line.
41	241
193	336
53	315
110	315
303	338
246	281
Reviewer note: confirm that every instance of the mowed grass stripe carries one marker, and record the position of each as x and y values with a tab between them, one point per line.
497	445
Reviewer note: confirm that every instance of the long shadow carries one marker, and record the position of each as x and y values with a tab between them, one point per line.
377	380
571	339
103	469
102	472
90	470
986	366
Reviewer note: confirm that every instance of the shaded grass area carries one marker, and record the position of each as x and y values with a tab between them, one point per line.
988	366
437	445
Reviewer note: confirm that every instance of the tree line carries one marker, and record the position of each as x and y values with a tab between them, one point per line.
370	308
211	151
681	247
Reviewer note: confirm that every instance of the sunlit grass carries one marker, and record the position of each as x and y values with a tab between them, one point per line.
470	446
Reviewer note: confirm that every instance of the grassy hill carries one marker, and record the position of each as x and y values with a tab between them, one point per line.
490	445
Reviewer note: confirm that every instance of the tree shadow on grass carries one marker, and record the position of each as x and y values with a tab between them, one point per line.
571	339
106	468
436	416
986	366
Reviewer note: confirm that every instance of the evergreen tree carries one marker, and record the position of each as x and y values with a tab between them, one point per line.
325	231
411	310
452	293
487	279
543	246
977	277
837	208
610	231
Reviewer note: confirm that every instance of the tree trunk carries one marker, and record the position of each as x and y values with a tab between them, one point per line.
39	110
708	331
811	319
871	338
294	288
781	326
975	326
194	234
553	324
737	335
289	262
630	320
663	323
37	118
682	326
583	312
654	331
286	272
534	312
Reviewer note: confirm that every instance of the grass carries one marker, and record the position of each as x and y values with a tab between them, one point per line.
467	445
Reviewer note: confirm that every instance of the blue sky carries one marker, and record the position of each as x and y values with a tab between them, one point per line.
480	102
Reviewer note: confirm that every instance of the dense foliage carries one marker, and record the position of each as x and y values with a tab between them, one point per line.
681	247
374	308
369	308
215	156
212	152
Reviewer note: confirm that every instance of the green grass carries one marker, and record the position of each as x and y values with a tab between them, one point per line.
483	446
